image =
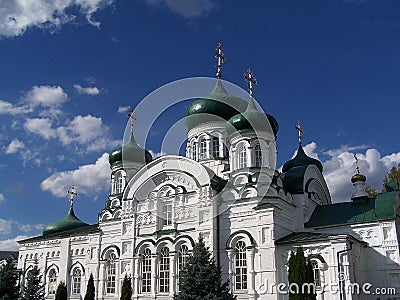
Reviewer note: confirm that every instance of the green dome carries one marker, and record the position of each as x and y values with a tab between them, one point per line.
216	106
130	152
252	119
301	159
70	221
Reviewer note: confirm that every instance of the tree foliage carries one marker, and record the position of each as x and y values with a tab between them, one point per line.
34	288
392	176
201	278
61	293
126	291
9	280
90	292
300	274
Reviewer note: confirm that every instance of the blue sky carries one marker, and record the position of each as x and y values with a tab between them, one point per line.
67	69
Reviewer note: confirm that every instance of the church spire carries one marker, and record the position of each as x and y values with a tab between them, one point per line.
132	119
219	55
72	193
299	131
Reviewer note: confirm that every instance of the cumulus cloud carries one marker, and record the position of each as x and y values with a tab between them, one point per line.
11	244
340	166
19	15
91	91
14	146
188	8
83	130
156	154
5	226
46	96
10	109
30	227
89	179
123	109
2	198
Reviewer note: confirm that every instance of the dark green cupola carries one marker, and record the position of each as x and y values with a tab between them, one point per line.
217	106
70	221
301	159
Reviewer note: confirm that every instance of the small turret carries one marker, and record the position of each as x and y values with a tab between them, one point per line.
358	181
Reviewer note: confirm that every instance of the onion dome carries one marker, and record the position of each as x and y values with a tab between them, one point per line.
358	177
252	119
70	221
301	159
216	106
131	153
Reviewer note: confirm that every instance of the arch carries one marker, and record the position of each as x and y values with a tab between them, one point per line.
117	213
52	266
182	237
109	249
240	234
76	265
105	216
143	244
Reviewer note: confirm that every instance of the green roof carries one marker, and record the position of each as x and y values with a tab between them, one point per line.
70	221
85	230
369	210
301	159
130	152
302	237
6	254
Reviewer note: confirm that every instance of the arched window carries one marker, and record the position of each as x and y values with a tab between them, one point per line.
183	255
257	155
52	282
317	272
203	149
76	281
164	271
215	147
119	183
146	271
167	214
111	273
242	157
194	151
240	266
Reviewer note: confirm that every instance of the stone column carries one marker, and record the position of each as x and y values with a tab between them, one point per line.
101	278
172	272
136	276
154	272
230	268
251	273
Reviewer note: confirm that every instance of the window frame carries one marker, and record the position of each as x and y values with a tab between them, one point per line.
76	284
240	266
164	271
145	270
111	274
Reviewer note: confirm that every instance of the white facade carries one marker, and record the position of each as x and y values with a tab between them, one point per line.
249	214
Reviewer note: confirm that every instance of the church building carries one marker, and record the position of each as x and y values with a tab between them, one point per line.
227	190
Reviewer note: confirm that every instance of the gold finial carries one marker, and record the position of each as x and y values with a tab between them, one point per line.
357	168
132	118
221	59
299	131
249	77
72	193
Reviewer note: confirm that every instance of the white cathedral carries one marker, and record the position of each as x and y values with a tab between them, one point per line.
227	191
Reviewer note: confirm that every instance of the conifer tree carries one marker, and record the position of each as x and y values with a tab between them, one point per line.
61	293
90	292
9	280
34	288
201	278
126	291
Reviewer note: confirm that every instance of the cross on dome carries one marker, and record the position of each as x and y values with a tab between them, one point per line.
221	59
72	193
357	167
299	131
250	79
132	118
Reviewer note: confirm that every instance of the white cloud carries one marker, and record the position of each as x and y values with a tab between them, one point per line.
9	108
2	198
91	91
11	244
156	154
30	227
5	227
83	130
186	8
123	109
14	146
89	179
46	96
18	15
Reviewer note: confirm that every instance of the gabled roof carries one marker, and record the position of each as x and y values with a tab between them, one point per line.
88	229
370	210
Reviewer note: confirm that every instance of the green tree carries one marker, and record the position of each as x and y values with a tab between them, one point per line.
90	292
9	280
34	289
372	192
201	278
126	291
61	293
392	176
300	274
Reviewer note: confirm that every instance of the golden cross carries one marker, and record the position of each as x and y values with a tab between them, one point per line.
249	77
357	168
72	193
221	59
299	131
